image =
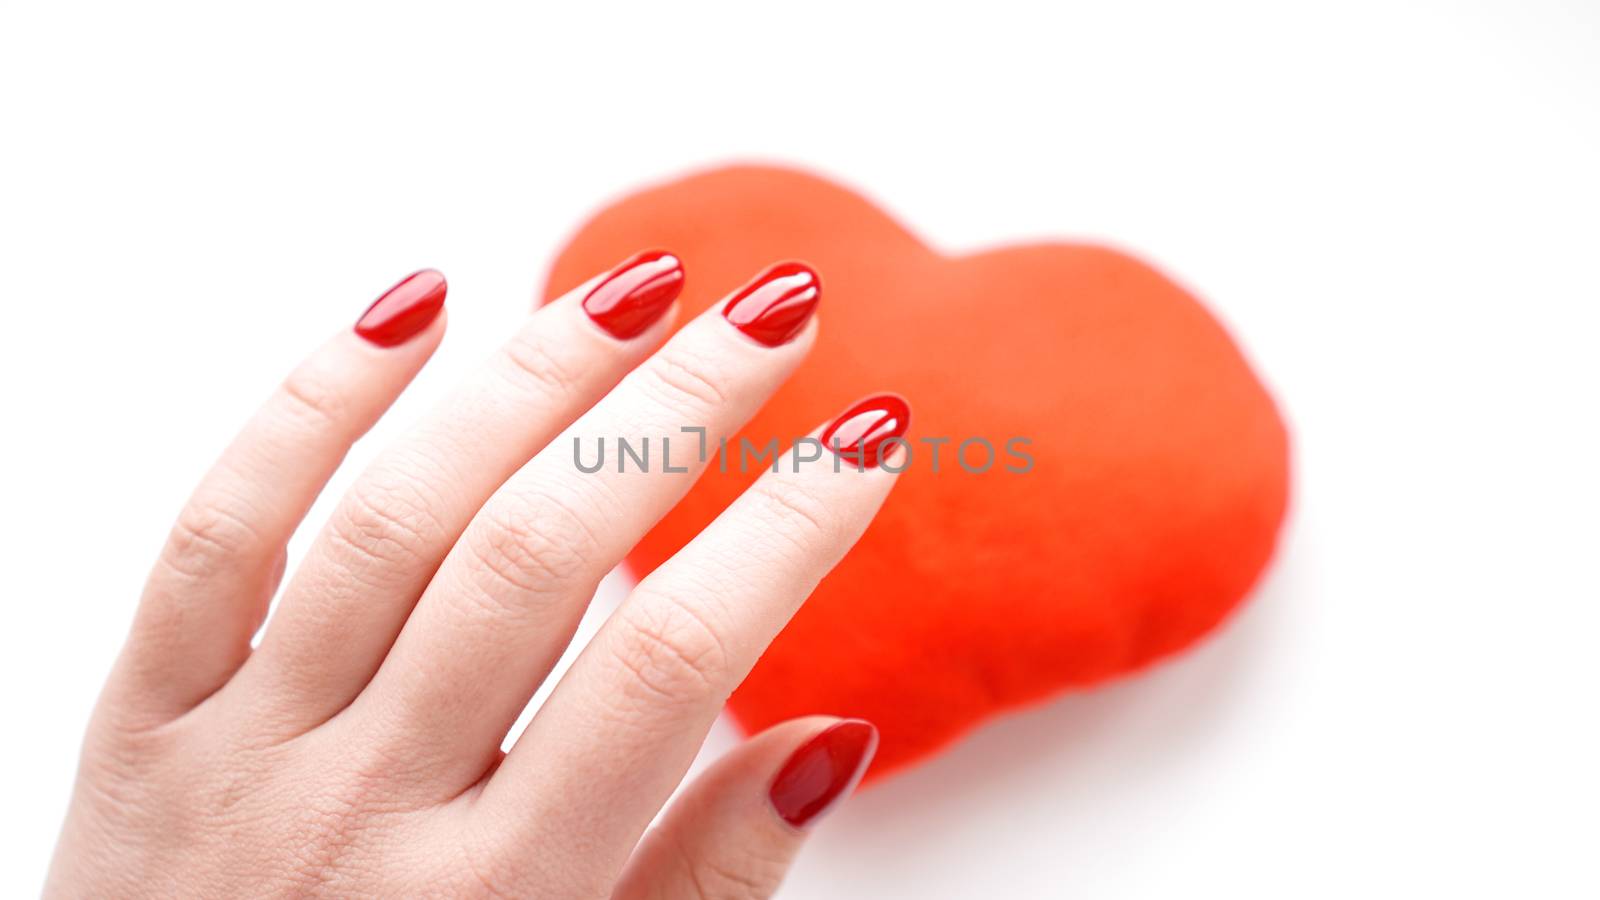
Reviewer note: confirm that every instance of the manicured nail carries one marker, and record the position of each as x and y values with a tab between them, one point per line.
776	305
635	294
404	310
865	432
826	769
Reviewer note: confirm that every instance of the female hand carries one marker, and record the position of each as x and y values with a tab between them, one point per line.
356	750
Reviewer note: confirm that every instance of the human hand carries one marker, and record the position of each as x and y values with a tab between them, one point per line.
356	750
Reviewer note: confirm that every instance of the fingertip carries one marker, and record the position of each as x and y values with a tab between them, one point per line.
635	295
871	432
823	771
404	310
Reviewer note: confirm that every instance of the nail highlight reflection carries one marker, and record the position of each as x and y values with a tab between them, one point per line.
866	431
775	306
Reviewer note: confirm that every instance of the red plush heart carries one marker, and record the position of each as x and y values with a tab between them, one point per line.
1160	471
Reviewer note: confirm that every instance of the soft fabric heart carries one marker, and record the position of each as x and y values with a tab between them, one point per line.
1159	474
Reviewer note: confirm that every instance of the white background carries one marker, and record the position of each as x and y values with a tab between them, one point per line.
1396	207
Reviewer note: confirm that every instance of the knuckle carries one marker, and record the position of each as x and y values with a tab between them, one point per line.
387	520
311	397
685	379
331	830
487	876
208	538
671	650
797	513
707	877
529	361
725	881
534	544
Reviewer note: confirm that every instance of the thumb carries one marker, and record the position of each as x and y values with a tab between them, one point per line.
737	828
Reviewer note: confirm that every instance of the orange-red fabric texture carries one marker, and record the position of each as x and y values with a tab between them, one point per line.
1160	462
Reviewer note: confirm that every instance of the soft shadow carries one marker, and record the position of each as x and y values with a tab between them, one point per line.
1139	725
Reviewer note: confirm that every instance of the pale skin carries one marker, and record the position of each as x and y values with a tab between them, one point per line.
355	751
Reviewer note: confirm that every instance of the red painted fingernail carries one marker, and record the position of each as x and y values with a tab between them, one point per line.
776	305
861	432
404	310
827	768
635	294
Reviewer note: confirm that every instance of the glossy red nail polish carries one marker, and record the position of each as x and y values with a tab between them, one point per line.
824	770
776	305
404	310
860	433
635	294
